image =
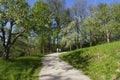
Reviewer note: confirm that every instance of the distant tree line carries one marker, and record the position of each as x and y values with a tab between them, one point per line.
91	25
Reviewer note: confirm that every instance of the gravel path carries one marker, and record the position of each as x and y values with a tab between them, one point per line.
56	69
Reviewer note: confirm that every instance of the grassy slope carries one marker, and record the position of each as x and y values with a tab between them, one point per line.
100	62
24	68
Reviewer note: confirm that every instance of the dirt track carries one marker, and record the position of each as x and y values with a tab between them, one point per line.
56	69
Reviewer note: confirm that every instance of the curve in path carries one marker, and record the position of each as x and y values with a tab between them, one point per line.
56	69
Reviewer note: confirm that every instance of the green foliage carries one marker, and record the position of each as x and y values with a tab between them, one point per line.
102	25
13	13
41	15
100	62
68	35
20	49
22	68
41	25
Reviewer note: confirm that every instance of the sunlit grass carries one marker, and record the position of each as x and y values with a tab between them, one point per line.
100	62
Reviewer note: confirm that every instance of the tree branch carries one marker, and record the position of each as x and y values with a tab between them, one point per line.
10	33
3	34
15	33
17	36
1	37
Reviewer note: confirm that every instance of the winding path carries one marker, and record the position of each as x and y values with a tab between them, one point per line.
56	69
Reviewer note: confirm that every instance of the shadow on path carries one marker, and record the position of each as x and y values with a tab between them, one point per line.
56	69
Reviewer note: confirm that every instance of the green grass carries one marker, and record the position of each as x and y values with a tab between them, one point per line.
23	68
100	62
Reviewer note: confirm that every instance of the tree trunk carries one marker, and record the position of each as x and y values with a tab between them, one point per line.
70	48
6	53
49	45
107	36
90	41
91	38
81	45
77	47
43	50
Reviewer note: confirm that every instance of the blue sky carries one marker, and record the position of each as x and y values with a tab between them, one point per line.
69	3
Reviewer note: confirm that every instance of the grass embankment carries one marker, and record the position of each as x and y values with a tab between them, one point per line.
23	68
100	62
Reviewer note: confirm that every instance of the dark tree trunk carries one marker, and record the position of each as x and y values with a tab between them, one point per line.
70	48
91	41
7	45
91	38
6	53
43	50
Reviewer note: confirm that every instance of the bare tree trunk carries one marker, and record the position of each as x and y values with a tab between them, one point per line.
91	38
43	50
6	53
7	44
107	36
81	45
49	45
90	43
70	48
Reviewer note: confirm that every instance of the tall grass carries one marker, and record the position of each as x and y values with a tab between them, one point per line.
23	68
100	62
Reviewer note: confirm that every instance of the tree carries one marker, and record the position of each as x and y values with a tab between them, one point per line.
69	35
104	19
12	14
91	26
79	14
108	20
41	24
57	7
92	30
115	16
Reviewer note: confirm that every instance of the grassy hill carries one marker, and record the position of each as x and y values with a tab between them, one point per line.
100	62
23	68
